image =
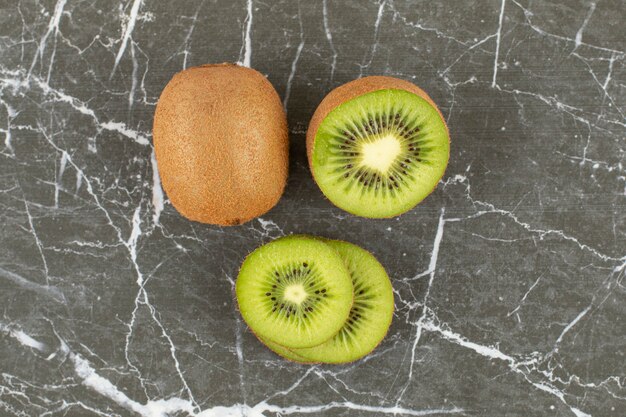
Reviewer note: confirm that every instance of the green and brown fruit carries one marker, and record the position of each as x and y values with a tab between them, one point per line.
221	143
377	146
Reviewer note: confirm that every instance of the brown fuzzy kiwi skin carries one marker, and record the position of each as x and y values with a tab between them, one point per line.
221	143
356	88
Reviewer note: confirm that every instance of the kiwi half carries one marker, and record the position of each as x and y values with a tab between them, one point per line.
370	315
294	291
377	146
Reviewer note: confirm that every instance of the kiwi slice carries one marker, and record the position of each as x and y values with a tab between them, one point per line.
294	291
370	315
284	352
378	154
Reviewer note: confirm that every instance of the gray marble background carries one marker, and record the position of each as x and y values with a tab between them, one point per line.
509	279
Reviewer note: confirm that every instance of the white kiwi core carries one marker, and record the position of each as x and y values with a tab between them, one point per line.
380	153
295	293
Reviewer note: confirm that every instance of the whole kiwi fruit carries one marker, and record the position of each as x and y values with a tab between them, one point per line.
221	143
377	146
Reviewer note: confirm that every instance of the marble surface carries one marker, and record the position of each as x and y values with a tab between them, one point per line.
509	278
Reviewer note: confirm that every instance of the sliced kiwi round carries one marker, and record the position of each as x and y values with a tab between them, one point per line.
380	153
294	291
370	315
285	353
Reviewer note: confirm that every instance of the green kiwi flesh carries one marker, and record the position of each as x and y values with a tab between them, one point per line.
381	153
370	315
295	291
284	352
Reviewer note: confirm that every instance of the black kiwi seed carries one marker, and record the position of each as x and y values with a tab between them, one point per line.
361	292
346	175
268	293
273	298
317	291
323	290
